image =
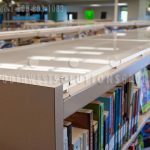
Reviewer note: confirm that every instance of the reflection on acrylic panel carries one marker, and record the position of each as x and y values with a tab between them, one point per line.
44	68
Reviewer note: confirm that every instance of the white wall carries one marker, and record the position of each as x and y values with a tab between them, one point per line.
78	9
109	10
142	10
133	8
136	10
62	14
98	10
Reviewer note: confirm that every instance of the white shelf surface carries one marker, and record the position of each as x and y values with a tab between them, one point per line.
142	120
71	60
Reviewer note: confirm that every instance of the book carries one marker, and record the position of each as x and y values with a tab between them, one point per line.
117	116
95	135
135	145
107	99
83	119
84	137
132	147
77	140
106	130
98	109
68	125
130	87
137	111
121	114
65	139
132	113
142	81
111	93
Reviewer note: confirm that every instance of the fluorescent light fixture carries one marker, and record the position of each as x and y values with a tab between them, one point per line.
95	5
107	5
41	58
122	4
62	59
107	48
97	48
13	2
45	58
90	53
72	70
121	34
1	1
66	52
37	68
148	9
10	66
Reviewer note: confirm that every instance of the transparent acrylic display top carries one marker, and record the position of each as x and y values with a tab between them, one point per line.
64	62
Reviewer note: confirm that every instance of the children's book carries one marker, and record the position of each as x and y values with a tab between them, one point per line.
142	81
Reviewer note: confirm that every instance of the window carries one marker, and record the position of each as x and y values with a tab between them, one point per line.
72	15
103	15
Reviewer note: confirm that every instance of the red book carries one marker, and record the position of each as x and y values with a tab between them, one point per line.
132	147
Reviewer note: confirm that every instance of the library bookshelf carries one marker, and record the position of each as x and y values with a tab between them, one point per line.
80	27
38	90
48	31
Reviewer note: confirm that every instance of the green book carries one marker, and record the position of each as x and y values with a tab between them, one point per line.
98	111
95	135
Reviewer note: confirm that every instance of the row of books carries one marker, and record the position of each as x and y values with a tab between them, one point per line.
144	136
142	142
105	124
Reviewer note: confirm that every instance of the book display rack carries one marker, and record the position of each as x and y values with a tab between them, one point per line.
46	83
66	31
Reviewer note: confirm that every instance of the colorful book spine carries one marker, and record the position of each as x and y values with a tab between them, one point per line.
116	120
108	106
65	139
119	116
130	86
68	125
77	139
95	135
110	120
106	130
98	109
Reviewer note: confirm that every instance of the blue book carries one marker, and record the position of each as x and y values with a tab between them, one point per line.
117	111
108	104
119	116
106	130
